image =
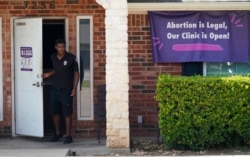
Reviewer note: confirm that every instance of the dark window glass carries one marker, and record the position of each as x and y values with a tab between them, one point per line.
192	68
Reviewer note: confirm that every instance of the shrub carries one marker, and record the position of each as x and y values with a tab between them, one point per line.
199	112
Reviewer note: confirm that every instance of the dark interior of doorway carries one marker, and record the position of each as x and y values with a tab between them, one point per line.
52	30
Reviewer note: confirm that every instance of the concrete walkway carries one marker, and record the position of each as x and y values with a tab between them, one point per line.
29	146
34	152
41	147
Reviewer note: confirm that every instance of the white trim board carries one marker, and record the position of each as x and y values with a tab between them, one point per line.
143	8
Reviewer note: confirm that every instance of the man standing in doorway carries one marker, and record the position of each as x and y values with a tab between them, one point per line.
65	80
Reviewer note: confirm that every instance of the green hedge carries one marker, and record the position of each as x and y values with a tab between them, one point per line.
199	112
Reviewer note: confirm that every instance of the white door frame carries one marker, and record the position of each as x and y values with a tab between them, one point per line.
13	62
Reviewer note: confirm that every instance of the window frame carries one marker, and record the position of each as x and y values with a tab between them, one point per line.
79	117
205	69
1	73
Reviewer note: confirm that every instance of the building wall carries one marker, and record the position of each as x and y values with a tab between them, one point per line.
63	8
143	76
142	71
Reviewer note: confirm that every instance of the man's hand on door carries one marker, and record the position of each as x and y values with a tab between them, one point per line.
48	74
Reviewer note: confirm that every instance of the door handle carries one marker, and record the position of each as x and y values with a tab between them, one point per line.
36	84
39	75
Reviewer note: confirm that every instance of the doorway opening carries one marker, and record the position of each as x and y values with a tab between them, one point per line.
52	30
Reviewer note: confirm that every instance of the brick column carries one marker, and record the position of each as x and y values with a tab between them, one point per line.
117	77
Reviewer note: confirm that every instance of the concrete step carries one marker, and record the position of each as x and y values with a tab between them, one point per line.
34	152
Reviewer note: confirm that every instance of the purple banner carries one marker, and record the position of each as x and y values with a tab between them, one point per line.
187	36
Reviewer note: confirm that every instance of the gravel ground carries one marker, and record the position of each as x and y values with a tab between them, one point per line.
142	147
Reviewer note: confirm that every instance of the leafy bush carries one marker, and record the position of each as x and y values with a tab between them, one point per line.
199	112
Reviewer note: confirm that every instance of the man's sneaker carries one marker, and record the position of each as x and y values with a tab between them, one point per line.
55	137
68	140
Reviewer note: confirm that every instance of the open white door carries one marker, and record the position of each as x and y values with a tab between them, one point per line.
28	77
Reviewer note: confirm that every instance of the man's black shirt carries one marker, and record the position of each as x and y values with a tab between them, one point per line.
64	70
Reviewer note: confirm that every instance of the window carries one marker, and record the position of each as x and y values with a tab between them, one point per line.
215	69
226	69
1	74
85	55
192	68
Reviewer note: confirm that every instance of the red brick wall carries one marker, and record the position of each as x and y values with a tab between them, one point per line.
143	76
16	8
143	72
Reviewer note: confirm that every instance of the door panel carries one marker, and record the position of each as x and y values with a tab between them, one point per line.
28	77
